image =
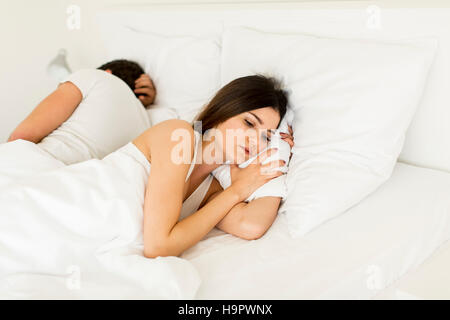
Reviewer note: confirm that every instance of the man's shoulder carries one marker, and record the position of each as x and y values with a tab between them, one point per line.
86	78
103	82
90	73
96	75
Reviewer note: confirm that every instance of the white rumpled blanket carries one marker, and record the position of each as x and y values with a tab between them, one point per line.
76	231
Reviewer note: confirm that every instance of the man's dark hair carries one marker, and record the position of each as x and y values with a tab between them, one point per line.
128	71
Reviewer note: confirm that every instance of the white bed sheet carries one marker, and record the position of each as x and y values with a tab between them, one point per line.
85	222
353	256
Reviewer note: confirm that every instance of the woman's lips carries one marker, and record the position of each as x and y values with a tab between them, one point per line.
247	151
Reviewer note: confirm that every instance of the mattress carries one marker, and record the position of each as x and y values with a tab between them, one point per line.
353	256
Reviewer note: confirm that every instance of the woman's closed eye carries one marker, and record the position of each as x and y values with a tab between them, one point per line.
251	125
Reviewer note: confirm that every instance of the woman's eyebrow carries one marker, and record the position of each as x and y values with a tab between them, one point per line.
261	122
257	118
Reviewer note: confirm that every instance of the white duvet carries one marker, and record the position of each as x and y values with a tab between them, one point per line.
76	231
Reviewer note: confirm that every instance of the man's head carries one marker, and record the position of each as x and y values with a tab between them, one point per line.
130	72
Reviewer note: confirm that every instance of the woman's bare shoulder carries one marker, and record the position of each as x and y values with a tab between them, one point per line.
166	128
164	136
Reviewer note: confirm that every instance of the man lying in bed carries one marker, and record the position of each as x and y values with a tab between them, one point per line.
92	112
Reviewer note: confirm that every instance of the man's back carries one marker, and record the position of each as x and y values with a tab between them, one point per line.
108	116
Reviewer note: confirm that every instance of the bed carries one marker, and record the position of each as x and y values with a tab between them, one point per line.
368	248
356	255
351	257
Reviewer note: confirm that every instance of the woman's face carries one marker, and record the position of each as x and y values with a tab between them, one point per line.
246	134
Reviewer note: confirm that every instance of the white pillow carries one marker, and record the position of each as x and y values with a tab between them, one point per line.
160	114
185	69
353	102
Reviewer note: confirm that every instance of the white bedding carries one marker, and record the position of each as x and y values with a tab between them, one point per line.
76	231
352	256
22	158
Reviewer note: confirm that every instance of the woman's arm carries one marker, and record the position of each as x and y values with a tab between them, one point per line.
187	232
164	235
49	114
250	221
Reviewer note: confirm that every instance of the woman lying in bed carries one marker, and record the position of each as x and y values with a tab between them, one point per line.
182	201
235	126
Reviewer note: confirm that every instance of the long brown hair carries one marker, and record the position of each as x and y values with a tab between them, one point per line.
242	95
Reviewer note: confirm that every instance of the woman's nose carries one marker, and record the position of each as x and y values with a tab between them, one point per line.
252	143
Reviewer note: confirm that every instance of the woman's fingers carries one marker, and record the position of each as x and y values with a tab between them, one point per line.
288	140
286	135
264	155
270	168
271	173
290	130
273	164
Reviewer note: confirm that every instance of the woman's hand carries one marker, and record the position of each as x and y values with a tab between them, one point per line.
246	180
289	138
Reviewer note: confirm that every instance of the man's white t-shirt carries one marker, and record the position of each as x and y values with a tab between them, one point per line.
108	117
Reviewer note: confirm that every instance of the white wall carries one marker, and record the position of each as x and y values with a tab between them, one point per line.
31	32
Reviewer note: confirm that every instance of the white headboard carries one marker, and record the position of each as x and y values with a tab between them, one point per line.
428	139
